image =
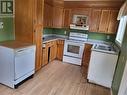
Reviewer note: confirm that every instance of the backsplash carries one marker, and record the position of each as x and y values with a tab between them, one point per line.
7	33
92	35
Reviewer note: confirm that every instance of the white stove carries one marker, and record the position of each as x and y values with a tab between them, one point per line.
78	36
74	47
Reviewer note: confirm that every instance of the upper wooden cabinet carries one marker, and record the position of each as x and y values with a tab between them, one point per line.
66	18
53	13
57	17
104	21
95	19
29	24
102	15
113	23
48	15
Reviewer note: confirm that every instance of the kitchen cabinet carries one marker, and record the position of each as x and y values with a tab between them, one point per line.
95	19
49	52
113	22
53	51
48	12
60	49
57	17
104	21
66	18
45	56
86	55
53	14
29	25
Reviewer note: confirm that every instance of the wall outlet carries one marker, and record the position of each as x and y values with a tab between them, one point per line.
1	25
108	37
65	32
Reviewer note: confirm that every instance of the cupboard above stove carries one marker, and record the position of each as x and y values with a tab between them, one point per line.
101	20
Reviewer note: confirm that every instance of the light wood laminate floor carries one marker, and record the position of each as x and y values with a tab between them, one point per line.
56	79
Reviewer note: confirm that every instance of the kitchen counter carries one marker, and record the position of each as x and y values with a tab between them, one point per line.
52	38
13	44
56	37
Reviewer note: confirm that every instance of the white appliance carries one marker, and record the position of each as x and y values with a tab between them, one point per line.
102	65
79	22
74	47
17	62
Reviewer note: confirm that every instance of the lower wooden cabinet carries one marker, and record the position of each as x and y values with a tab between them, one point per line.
49	52
53	51
60	49
45	56
86	55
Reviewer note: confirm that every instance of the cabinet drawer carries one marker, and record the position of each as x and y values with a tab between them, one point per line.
48	44
60	41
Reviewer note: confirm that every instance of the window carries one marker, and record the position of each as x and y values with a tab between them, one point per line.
121	30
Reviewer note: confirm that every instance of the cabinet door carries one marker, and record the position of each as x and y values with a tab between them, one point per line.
57	17
86	55
48	15
95	20
113	23
45	56
60	49
53	51
104	21
67	18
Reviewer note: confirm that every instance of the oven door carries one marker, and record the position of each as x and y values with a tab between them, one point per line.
74	49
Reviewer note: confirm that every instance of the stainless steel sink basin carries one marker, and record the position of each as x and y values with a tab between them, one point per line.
104	47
